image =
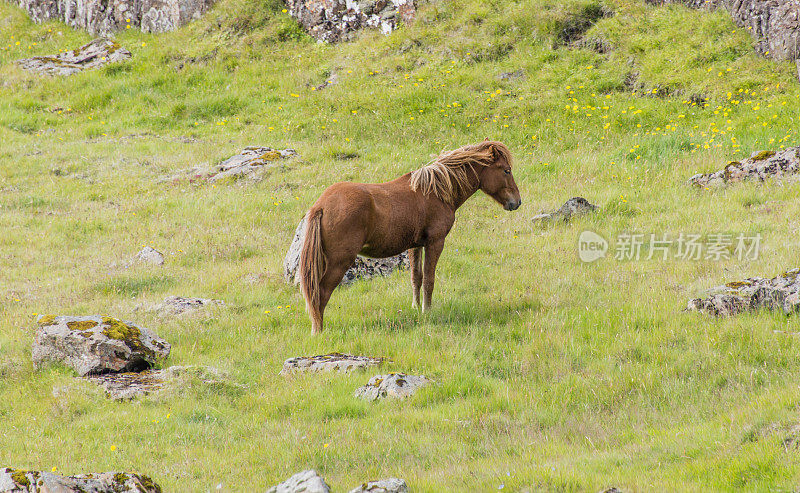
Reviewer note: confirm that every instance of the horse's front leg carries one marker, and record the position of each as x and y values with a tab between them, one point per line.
432	252
415	258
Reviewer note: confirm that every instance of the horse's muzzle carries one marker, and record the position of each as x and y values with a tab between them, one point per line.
513	205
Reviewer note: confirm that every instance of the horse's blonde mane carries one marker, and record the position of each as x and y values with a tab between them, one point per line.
446	176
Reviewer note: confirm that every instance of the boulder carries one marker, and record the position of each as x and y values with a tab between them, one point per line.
106	16
342	363
21	481
362	268
760	166
337	20
303	482
96	344
89	56
179	305
149	255
780	293
391	485
576	206
130	385
394	385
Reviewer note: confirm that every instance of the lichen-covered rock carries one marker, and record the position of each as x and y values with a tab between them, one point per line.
106	16
303	482
394	385
89	56
337	20
21	481
775	24
760	166
576	206
96	344
251	163
342	363
180	305
362	268
781	293
391	485
130	385
149	255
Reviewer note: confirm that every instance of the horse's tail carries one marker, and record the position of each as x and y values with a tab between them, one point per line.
312	265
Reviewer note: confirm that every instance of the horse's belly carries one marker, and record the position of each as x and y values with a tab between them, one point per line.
381	251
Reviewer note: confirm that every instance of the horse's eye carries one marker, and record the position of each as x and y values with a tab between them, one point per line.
507	171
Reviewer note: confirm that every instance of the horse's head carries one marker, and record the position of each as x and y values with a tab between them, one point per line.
496	179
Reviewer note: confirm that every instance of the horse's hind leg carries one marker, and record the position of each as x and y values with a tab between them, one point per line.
415	258
334	272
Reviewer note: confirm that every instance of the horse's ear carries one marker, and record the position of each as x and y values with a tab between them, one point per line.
486	139
495	154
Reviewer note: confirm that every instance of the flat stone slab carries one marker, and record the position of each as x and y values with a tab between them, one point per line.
342	363
760	166
251	163
130	385
362	268
393	385
180	305
780	293
96	344
576	206
97	53
390	485
21	481
307	481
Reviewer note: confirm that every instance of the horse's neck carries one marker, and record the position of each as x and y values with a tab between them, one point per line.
474	184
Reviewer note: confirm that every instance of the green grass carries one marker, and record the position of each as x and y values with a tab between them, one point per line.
551	374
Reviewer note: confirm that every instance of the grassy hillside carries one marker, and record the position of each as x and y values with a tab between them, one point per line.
551	374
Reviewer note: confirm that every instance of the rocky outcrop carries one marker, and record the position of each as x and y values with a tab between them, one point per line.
391	485
149	255
21	481
89	56
106	16
393	385
130	385
342	363
362	268
781	293
251	163
337	20
761	165
173	306
775	24
576	206
303	482
94	345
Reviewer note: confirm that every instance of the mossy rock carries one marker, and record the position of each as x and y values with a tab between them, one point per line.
763	155
45	320
82	326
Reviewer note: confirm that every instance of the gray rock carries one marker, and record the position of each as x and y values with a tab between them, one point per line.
517	74
760	166
179	305
21	481
342	363
251	161
89	56
106	16
130	385
781	293
337	20
576	206
362	268
95	344
394	385
391	485
149	255
303	482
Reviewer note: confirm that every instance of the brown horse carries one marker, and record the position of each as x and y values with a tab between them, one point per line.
413	212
